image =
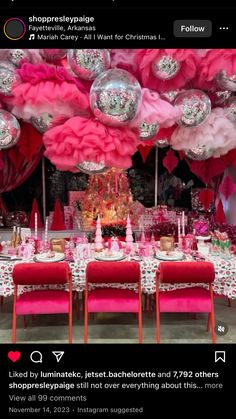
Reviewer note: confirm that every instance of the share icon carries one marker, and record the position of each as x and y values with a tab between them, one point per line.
58	355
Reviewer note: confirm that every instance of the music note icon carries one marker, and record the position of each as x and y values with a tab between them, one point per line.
32	36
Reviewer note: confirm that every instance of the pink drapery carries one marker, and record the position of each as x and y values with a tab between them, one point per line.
19	162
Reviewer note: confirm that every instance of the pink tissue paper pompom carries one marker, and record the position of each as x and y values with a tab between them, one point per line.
202	52
48	89
211	64
32	55
217	133
187	58
80	139
153	109
125	59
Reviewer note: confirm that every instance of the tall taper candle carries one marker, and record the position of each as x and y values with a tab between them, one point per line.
183	223
179	232
36	225
46	231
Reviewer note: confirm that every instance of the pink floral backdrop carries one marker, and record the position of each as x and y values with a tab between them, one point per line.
95	108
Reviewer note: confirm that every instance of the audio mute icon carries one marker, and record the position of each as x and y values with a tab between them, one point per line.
58	355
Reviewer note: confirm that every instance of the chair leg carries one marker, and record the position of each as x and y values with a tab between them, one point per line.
24	322
140	327
194	316
212	314
229	302
2	299
70	326
213	327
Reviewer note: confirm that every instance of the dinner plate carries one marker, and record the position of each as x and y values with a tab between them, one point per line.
172	256
109	258
43	257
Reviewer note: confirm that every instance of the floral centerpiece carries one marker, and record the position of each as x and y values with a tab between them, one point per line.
163	229
201	228
230	229
220	242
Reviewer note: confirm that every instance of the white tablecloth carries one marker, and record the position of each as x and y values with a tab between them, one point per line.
224	284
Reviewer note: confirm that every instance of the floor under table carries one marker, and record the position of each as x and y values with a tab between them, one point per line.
119	328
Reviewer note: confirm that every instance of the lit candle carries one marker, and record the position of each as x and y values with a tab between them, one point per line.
183	223
36	225
46	231
179	232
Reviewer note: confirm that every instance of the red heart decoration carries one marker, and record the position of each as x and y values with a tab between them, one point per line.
206	197
227	187
220	214
170	161
144	150
14	356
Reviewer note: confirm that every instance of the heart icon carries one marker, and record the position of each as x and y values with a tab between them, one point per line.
14	355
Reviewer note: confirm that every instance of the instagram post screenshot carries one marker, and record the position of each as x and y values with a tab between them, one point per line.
117	208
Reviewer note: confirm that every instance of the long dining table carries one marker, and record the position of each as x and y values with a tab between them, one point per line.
224	283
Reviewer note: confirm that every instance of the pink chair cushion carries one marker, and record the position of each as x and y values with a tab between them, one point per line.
190	300
41	273
43	302
116	272
113	301
181	272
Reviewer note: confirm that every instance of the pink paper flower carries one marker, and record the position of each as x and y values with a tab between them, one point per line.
48	89
33	55
217	133
187	58
215	61
153	109
125	59
80	139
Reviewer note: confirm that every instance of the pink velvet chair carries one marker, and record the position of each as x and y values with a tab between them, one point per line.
192	300
111	300
42	301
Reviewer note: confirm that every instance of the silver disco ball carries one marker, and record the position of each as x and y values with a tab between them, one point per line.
115	96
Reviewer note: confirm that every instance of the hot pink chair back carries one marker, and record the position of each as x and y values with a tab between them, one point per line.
115	272
42	301
191	299
112	299
182	272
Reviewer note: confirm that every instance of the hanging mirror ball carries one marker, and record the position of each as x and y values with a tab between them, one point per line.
88	63
148	131
9	130
195	107
91	168
199	153
166	67
115	96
